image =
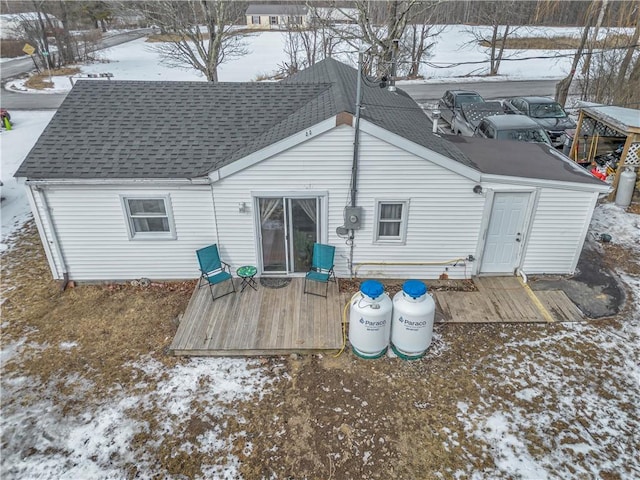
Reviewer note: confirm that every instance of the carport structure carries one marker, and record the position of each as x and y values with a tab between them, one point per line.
602	127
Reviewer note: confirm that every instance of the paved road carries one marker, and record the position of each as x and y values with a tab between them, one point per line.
423	93
22	101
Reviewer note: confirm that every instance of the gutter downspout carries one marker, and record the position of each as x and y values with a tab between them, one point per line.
54	236
356	154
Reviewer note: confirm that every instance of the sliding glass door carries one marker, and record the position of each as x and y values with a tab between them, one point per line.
289	226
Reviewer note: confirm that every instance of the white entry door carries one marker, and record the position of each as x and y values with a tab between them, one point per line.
503	244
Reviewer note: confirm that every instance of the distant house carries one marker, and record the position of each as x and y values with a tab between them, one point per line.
12	25
278	17
120	190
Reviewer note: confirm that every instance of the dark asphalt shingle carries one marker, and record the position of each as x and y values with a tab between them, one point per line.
132	129
127	129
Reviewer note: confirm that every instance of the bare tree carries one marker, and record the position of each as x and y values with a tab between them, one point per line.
202	33
100	12
380	25
628	89
500	17
307	44
417	42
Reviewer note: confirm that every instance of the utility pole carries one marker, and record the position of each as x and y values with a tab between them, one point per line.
394	65
356	137
356	153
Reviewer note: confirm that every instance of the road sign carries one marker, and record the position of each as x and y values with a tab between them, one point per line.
28	49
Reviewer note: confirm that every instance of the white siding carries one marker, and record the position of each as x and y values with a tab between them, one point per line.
558	230
445	217
444	213
92	231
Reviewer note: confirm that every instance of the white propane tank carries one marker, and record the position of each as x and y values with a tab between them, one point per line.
412	323
625	187
370	320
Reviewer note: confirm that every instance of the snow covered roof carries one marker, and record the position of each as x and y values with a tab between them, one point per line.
624	118
282	9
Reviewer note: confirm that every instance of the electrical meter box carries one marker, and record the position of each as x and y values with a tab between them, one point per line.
353	218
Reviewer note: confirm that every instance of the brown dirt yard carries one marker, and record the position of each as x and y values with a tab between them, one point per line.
89	390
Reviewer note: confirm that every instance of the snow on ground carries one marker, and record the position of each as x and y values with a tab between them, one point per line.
15	144
623	227
97	442
137	60
42	441
599	423
556	379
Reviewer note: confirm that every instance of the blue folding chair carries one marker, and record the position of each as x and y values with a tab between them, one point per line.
321	267
213	270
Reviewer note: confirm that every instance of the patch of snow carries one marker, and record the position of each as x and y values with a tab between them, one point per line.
42	441
15	144
10	350
528	394
454	49
68	345
624	227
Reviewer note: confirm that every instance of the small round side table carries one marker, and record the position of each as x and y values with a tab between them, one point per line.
246	273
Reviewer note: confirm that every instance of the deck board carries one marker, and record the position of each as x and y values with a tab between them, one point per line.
263	322
503	299
278	321
560	306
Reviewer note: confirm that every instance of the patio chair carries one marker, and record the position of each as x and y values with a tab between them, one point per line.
321	267
213	270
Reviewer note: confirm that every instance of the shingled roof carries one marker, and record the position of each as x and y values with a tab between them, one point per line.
132	129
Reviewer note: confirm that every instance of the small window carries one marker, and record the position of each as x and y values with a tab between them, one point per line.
391	224
149	217
255	20
273	20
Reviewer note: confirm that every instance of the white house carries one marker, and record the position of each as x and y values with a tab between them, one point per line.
121	190
282	16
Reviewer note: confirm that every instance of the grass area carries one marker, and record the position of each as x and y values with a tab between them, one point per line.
495	400
40	81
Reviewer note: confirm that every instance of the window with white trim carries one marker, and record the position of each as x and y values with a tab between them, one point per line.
391	221
273	20
255	19
149	217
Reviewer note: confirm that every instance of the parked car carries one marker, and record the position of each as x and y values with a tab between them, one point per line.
452	100
546	112
467	119
512	127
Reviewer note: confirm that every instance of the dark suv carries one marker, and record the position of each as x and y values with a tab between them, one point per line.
451	102
511	127
546	112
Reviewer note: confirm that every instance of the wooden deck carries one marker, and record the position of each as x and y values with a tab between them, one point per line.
285	320
269	321
505	299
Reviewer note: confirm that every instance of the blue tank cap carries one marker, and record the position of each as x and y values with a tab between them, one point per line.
372	288
414	288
